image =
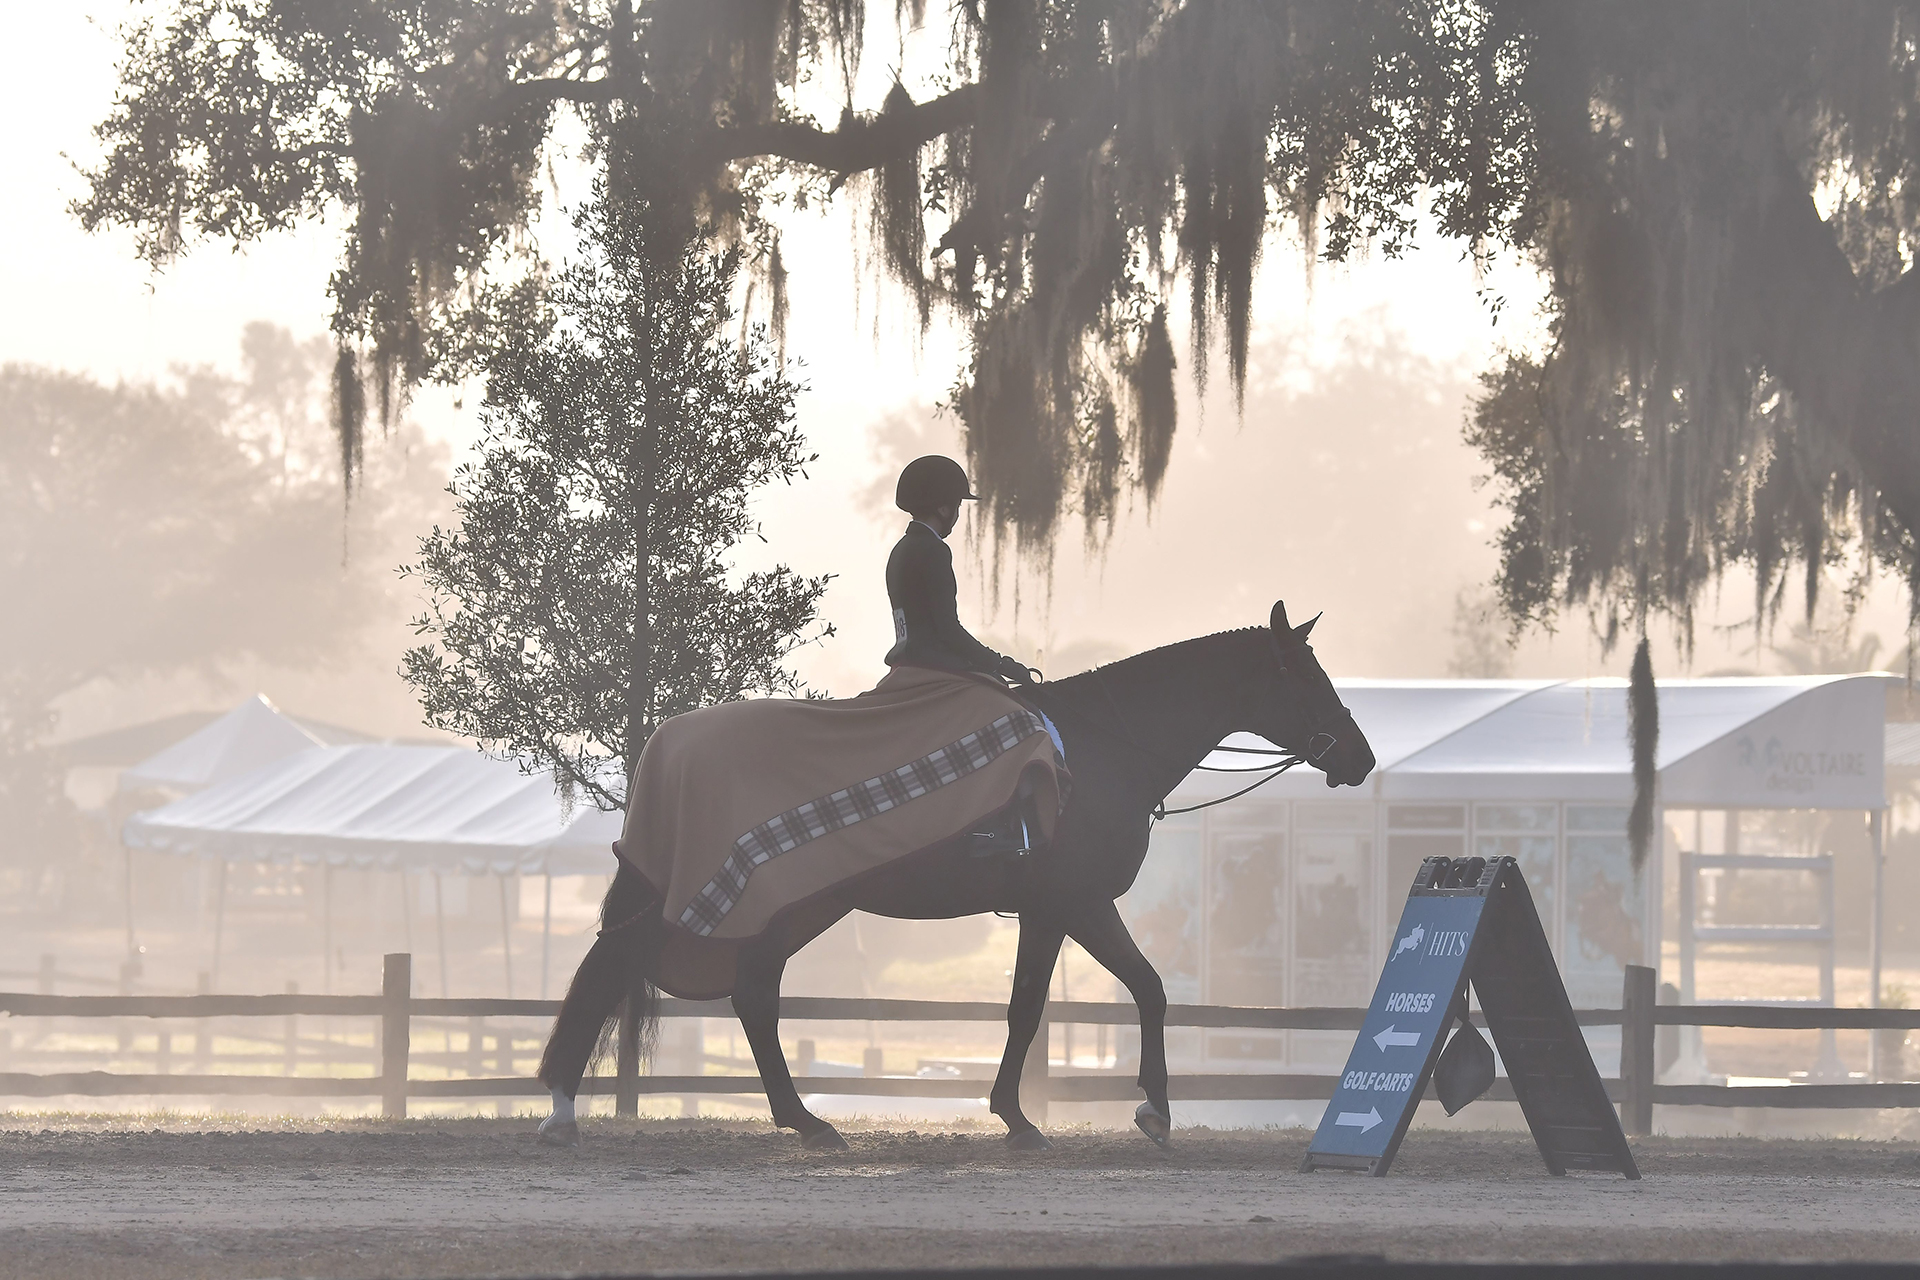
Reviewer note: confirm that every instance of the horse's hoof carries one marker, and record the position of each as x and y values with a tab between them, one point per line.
1028	1140
1155	1124
826	1138
555	1132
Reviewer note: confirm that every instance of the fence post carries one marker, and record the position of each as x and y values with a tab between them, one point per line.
626	1078
1636	1049
396	1033
1036	1083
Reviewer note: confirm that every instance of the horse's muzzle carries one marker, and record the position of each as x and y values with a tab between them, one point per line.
1348	768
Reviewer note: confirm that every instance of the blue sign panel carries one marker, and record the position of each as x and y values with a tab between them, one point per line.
1425	972
1470	920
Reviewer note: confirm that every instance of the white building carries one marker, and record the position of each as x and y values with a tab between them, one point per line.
1286	896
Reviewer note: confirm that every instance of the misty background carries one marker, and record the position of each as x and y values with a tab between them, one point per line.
1343	486
193	548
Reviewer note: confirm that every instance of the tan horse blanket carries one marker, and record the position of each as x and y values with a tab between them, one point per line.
741	812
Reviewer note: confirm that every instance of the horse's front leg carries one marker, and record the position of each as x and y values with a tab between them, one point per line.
1104	935
756	1000
1032	973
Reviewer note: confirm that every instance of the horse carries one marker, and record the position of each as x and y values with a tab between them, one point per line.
1131	730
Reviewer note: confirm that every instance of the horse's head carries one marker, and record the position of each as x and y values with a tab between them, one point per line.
1306	716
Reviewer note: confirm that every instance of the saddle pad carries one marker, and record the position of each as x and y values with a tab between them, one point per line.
740	811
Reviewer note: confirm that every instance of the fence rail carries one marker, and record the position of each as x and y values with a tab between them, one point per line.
395	1008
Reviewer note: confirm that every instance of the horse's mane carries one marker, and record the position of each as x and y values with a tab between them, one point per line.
1181	654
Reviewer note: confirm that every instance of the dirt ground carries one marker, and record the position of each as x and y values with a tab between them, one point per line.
131	1200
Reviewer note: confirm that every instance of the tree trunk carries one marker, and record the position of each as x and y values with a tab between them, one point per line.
643	466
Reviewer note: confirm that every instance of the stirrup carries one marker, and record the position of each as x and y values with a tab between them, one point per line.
989	844
1011	833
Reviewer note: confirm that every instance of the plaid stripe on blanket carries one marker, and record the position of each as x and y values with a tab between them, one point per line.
843	808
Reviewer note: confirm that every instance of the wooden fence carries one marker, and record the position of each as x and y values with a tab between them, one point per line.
395	1008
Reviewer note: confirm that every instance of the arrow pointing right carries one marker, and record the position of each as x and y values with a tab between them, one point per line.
1358	1120
1391	1039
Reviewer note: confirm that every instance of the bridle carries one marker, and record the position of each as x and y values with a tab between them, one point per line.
1321	741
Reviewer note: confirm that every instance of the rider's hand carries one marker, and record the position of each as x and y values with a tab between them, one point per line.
1013	671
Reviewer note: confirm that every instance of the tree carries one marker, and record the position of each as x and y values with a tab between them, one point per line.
1721	193
1726	209
1482	637
1080	154
586	593
159	529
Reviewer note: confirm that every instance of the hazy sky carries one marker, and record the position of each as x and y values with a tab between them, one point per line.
1345	488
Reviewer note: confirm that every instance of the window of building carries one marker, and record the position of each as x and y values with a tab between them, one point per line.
1162	909
1529	834
1605	925
1416	832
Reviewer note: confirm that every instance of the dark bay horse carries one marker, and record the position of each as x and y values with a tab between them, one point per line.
1132	731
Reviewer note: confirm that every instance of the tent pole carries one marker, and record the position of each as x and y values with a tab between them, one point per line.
1876	830
506	935
326	927
546	935
440	924
406	912
219	926
1654	891
132	947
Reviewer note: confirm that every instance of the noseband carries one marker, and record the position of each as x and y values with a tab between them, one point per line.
1320	739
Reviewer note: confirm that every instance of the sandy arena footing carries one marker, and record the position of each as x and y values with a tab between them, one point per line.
185	1200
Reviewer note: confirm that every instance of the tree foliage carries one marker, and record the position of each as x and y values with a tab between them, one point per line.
587	592
1720	191
1083	155
1728	220
170	528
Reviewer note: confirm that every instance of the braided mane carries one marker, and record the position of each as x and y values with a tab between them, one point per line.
1182	654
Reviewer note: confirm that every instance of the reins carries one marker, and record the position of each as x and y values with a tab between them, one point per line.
1123	733
1161	811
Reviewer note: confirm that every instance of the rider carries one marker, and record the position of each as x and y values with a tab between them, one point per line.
920	581
926	621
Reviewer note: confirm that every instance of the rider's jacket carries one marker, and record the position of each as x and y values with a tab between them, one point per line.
926	617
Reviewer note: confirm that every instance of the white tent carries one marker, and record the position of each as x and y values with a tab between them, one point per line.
1804	742
1284	896
372	806
429	810
252	734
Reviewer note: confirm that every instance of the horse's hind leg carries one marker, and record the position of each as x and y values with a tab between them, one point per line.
756	1000
1032	974
1104	935
614	971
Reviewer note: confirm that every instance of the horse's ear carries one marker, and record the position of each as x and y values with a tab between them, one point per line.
1305	629
1279	620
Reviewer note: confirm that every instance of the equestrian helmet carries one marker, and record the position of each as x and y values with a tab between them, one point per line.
931	482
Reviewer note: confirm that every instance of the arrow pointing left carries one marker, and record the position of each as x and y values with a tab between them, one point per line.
1391	1039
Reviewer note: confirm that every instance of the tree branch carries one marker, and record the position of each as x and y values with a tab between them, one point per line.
545	92
856	146
1845	354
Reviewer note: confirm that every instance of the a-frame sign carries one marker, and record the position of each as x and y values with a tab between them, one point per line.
1470	920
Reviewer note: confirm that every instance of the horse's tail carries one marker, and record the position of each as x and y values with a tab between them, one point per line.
615	977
